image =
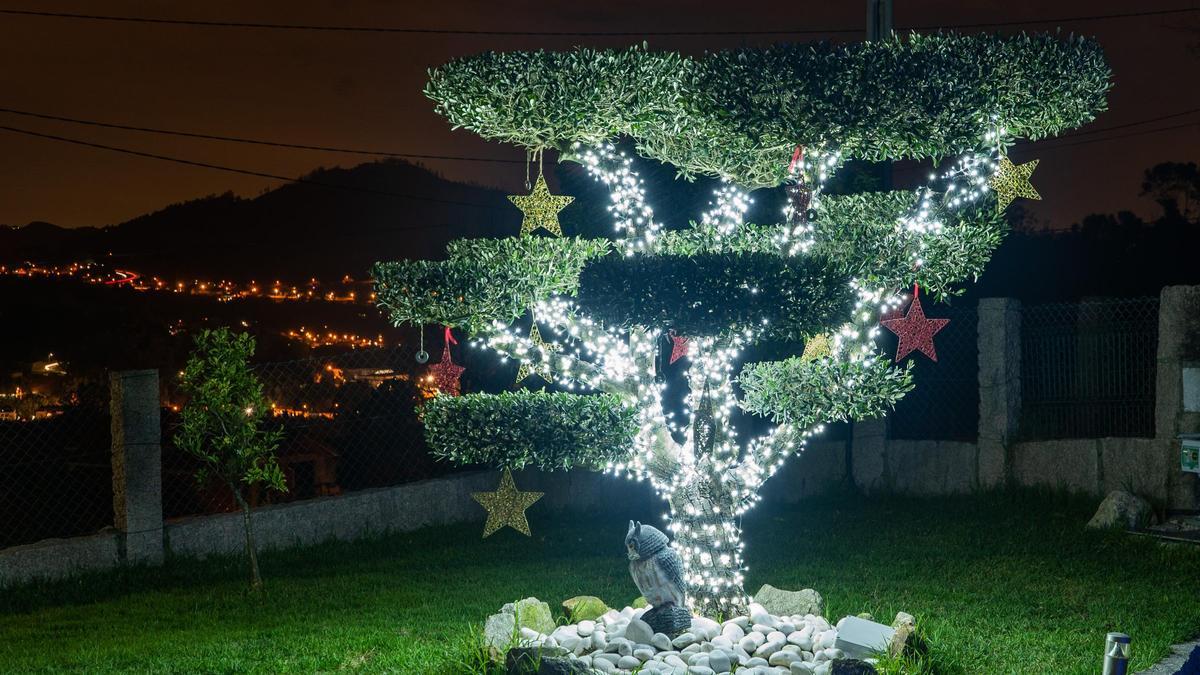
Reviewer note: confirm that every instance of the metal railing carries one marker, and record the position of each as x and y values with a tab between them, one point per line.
1088	369
55	467
350	423
944	402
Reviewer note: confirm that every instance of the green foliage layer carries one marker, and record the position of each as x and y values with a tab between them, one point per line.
861	234
484	280
856	236
804	393
737	113
716	294
548	431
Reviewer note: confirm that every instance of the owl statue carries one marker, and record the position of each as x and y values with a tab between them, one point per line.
657	571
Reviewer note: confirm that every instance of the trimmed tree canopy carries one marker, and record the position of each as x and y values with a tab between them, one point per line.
735	113
716	294
824	274
549	431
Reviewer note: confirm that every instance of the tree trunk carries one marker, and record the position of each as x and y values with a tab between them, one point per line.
708	537
251	553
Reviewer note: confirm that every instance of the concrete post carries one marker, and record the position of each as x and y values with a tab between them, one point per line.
868	458
137	464
1178	343
999	344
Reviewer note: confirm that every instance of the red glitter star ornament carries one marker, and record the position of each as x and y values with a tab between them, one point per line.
679	346
914	330
446	373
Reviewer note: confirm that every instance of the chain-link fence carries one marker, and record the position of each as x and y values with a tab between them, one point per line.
1088	369
55	464
350	423
944	402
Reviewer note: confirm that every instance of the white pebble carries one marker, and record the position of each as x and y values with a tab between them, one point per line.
585	628
782	658
768	649
733	632
683	640
719	661
629	662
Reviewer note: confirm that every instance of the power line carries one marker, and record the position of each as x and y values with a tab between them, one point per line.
245	172
1088	132
649	33
1112	138
1038	145
384	153
403	30
308	181
255	141
1063	19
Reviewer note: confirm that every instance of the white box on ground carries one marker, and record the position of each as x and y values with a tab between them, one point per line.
862	639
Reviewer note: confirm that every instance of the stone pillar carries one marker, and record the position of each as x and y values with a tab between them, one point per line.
137	464
999	343
1178	344
868	455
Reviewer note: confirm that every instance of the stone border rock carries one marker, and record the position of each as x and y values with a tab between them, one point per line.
761	644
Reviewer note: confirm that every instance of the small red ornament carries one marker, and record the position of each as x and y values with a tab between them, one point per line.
446	373
679	346
914	330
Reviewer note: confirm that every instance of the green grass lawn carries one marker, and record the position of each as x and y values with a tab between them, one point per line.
1000	584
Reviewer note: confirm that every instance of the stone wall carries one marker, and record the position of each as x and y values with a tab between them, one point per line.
402	508
868	462
1148	466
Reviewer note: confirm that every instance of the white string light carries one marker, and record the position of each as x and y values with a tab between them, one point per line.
709	480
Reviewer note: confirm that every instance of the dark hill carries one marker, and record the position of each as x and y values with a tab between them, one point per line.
381	210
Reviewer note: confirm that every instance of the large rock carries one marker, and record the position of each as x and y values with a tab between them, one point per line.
535	614
906	641
1121	509
542	661
786	603
584	608
499	631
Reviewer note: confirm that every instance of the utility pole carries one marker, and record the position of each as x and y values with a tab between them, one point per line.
879	19
879	27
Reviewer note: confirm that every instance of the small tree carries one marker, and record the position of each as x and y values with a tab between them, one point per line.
223	424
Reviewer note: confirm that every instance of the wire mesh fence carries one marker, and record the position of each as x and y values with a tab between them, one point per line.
350	423
1088	369
55	464
944	402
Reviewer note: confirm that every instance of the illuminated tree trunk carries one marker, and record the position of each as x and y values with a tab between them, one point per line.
708	538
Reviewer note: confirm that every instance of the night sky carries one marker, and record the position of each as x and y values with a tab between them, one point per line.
364	90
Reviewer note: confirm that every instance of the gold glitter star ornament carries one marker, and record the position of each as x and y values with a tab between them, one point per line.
1012	181
817	347
506	506
541	208
536	368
